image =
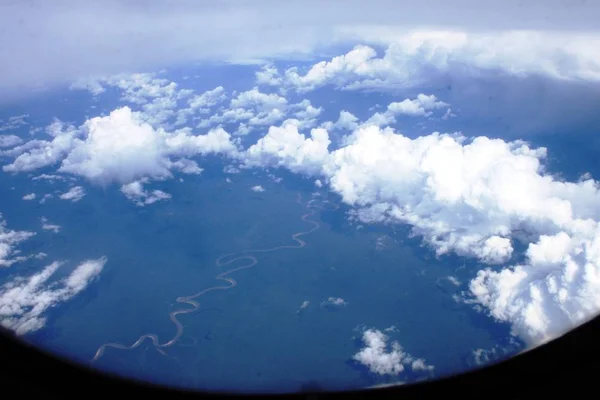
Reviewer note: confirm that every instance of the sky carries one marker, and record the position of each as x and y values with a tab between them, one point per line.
437	118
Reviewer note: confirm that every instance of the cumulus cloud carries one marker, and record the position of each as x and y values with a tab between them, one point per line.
9	240
476	197
253	108
120	148
24	300
285	146
30	196
10	141
346	121
74	194
257	188
421	106
387	360
135	192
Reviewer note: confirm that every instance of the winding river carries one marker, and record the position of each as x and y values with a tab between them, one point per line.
312	206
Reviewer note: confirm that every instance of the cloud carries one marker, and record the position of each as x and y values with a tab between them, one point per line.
10	124
135	192
421	106
10	141
252	107
417	57
37	154
164	36
376	356
9	239
74	194
257	188
46	225
334	302
475	197
303	306
24	301
285	146
119	148
30	196
346	121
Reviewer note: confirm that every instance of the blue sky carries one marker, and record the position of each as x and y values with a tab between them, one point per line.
458	130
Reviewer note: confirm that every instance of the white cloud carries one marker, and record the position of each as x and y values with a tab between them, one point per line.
201	104
45	198
346	121
9	239
120	148
474	197
30	196
10	141
254	107
48	177
12	123
333	302
257	188
414	57
420	106
231	169
37	154
285	146
135	192
318	183
24	301
46	225
166	36
74	194
383	361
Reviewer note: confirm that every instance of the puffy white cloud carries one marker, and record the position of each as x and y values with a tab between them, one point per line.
285	146
120	148
74	194
261	102
346	121
23	301
135	192
10	141
474	197
420	106
555	289
46	225
463	197
9	239
257	188
268	75
30	196
383	361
